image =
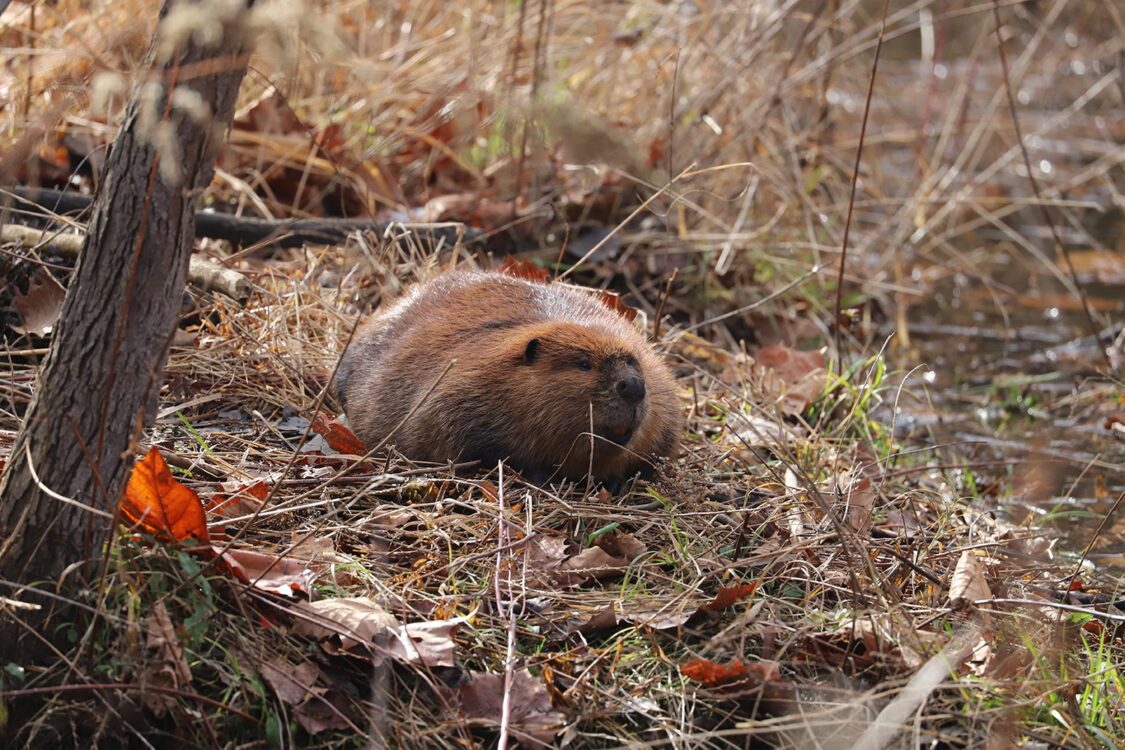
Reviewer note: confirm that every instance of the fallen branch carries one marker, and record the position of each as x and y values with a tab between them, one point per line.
202	273
245	231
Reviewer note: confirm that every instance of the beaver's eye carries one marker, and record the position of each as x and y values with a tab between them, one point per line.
584	364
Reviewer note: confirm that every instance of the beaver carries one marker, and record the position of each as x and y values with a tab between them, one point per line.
541	373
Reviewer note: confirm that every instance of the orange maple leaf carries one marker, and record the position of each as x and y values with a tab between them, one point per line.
159	504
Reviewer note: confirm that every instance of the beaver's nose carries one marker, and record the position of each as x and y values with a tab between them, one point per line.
631	388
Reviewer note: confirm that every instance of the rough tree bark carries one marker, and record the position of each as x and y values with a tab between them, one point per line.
101	377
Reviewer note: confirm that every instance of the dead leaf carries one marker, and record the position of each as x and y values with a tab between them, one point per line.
316	708
760	683
168	668
533	721
545	551
293	684
278	575
612	300
242	501
521	268
1106	266
271	114
362	621
780	376
655	614
550	557
859	497
967	584
358	620
429	643
326	712
703	353
314	548
716	675
753	430
391	517
624	546
904	523
40	308
310	169
159	504
604	620
666	616
475	210
338	437
182	338
595	562
728	596
545	555
878	641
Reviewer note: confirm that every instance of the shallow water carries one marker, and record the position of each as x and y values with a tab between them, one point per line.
1014	374
1013	377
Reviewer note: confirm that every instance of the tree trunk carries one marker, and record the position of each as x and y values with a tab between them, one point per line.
100	380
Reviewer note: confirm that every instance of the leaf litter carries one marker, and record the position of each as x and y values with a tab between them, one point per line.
385	563
782	560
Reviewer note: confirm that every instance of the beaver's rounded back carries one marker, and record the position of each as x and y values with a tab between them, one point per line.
541	374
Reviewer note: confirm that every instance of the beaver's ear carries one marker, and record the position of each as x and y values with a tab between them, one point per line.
531	351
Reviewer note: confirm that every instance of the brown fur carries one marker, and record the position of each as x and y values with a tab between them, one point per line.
518	390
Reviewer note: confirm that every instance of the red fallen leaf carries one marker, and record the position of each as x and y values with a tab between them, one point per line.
156	502
729	595
612	300
716	675
240	502
338	437
759	683
525	269
1094	627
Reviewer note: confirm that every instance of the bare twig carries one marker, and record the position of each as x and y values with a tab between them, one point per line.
855	182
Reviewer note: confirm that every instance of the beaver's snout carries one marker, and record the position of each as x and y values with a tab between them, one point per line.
631	388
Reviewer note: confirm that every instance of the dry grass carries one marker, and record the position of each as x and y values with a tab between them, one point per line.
851	532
